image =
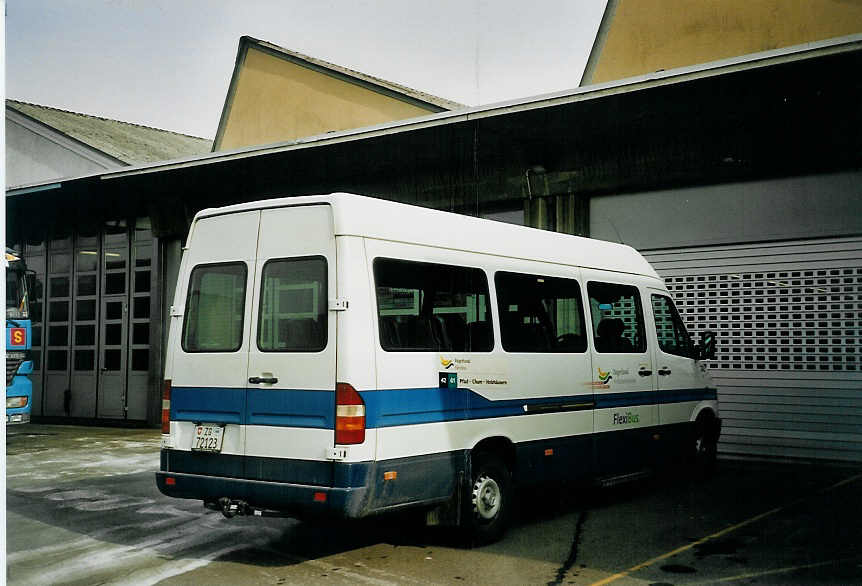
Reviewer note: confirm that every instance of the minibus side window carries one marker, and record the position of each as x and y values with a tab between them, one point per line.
540	314
432	307
672	335
618	323
293	306
215	306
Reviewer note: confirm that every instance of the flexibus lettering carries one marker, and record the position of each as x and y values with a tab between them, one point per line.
628	417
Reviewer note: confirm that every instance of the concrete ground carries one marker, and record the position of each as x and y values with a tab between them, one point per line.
82	508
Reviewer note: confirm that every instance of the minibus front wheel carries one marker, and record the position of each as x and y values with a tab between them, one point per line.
490	499
708	429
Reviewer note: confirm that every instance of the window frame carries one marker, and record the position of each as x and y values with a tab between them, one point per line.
486	292
188	303
578	298
639	312
325	289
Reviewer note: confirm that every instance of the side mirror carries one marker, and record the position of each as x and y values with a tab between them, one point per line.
706	348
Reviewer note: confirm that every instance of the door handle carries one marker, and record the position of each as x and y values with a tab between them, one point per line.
664	371
256	380
644	372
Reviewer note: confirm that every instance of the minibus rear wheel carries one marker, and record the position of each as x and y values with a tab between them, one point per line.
490	499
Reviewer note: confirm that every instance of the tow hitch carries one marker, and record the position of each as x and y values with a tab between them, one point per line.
232	507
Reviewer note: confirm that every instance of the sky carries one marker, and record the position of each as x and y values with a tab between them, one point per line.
167	63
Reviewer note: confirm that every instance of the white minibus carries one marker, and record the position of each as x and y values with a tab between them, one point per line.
347	356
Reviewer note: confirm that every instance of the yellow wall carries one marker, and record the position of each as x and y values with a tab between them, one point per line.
648	35
277	100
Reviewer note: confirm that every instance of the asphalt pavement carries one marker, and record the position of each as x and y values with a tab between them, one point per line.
82	508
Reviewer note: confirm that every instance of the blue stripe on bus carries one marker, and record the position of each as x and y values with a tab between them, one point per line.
277	407
209	404
390	407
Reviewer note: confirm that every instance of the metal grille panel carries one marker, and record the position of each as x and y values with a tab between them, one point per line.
788	317
783	320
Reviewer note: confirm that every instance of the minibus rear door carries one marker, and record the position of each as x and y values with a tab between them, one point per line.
290	401
210	359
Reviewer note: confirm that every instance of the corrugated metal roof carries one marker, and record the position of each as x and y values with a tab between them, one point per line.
131	143
391	86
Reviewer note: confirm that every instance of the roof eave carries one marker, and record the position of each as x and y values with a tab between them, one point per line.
663	78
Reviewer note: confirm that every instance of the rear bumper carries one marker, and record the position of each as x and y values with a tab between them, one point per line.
296	499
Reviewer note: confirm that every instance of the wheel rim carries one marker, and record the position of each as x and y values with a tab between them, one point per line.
486	498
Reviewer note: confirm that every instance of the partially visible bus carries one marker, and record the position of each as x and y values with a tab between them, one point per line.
19	390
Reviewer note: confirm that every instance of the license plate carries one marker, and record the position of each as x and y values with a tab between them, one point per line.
208	437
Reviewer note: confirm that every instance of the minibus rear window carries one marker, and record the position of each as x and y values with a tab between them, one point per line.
215	306
293	305
432	307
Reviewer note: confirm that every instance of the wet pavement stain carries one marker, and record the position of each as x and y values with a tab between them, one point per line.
678	569
717	547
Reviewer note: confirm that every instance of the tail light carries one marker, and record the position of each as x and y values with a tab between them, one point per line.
349	415
166	407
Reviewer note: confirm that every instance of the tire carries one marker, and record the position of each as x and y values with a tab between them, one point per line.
705	449
489	500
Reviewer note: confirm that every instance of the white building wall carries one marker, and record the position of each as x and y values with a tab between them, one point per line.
36	154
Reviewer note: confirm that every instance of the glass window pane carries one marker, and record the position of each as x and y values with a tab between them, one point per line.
113	334
112	359
540	314
115	283
85	359
59	287
617	317
36	334
293	314
86	285
673	338
141	307
431	307
58	311
88	260
85	310
58	335
115	259
57	359
114	310
141	333
143	256
61	262
214	308
140	359
85	335
142	281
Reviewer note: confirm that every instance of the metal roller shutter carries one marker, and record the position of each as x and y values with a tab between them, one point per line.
789	364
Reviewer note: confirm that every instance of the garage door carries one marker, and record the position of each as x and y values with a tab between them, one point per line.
788	320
